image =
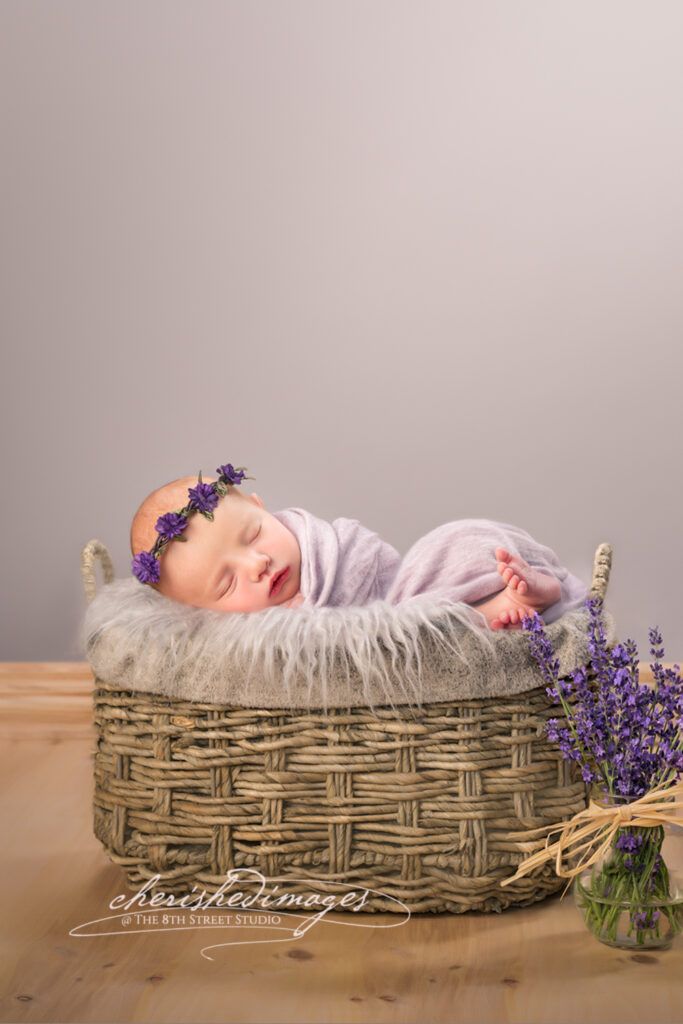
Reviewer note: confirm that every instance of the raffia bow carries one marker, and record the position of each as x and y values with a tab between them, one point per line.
648	810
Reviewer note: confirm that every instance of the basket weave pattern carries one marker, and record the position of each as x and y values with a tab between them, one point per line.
434	810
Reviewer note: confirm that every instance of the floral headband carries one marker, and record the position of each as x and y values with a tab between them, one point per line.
203	498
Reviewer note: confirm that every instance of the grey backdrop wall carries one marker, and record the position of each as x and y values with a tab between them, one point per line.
408	262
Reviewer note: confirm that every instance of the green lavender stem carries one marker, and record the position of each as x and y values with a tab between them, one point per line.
637	882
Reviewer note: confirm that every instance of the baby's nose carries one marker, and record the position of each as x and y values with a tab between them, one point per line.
259	567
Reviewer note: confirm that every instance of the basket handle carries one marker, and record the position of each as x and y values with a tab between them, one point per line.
602	564
93	550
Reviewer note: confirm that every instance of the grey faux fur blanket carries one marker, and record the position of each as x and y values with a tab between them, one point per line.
374	628
423	650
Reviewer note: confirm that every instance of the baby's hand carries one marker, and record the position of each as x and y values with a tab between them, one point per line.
294	601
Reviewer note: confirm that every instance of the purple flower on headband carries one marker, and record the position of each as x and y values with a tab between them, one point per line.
203	497
146	567
171	525
234	476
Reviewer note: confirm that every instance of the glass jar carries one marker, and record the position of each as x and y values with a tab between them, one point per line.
631	897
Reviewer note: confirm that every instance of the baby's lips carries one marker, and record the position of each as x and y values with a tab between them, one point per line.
278	578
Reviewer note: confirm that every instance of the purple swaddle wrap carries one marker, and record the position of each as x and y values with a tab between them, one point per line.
344	563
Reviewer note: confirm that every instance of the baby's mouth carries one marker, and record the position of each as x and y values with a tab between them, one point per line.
275	585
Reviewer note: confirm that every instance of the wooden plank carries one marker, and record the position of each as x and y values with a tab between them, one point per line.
48	700
536	964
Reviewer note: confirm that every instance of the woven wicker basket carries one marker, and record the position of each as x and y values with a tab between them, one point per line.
434	811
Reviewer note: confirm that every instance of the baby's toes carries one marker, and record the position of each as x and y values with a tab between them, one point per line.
523	587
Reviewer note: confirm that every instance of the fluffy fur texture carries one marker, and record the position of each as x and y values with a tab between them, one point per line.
423	650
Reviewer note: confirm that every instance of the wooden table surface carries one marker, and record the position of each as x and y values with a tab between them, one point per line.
528	964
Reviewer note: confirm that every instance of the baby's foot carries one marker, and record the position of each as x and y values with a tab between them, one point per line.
528	590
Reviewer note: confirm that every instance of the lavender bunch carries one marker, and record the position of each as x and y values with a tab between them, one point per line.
626	738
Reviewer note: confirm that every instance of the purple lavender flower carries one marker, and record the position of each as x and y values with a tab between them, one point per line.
234	476
645	919
171	525
146	567
622	733
656	869
203	497
630	842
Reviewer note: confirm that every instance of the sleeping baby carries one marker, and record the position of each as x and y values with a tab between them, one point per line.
248	559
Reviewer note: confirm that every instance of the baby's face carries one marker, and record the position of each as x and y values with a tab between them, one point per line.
229	564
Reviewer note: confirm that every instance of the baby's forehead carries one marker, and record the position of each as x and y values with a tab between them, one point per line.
234	511
172	497
175	495
232	519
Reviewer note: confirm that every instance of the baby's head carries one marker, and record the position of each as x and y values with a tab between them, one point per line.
227	564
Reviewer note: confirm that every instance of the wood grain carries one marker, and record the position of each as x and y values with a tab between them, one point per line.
46	700
526	965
